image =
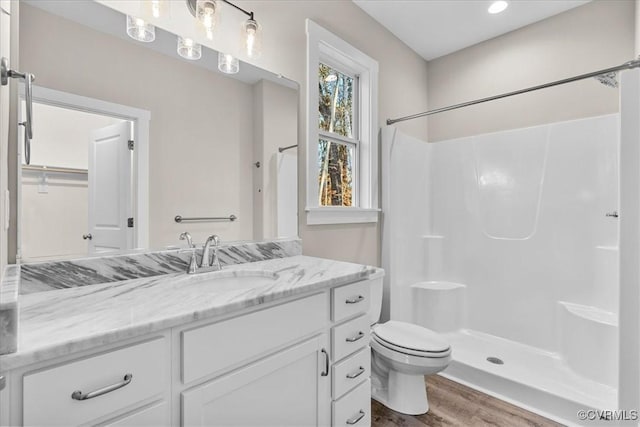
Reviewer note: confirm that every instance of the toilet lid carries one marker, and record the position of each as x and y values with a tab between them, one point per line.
409	336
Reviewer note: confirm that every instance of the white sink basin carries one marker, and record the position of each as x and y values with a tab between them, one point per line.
223	281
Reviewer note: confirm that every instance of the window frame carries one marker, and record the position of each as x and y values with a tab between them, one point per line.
325	47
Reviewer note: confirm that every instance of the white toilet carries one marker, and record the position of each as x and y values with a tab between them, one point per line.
401	355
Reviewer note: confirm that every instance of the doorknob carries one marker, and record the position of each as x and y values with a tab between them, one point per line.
87	236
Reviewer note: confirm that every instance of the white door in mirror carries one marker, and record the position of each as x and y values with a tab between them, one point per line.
109	188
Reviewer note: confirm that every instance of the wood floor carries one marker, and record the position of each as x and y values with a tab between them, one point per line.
452	404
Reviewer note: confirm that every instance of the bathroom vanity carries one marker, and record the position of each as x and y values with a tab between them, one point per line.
276	342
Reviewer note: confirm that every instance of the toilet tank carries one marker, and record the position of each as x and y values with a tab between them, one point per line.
376	292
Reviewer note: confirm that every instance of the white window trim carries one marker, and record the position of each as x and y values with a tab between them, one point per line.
324	44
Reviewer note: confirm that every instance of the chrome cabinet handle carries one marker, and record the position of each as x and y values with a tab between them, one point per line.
355	419
78	395
87	236
326	363
356	374
355	300
3	382
359	336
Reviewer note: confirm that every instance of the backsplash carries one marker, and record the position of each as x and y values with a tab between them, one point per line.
52	275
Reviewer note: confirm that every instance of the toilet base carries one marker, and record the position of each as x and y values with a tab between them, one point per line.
404	393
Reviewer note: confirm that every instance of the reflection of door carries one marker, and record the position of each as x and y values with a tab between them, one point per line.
109	188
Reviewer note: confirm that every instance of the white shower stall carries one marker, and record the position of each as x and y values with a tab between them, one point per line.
508	244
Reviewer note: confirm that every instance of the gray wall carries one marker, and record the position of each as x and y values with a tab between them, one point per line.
597	35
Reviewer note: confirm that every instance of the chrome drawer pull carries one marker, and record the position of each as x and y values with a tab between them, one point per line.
326	363
356	374
355	300
78	395
356	338
357	418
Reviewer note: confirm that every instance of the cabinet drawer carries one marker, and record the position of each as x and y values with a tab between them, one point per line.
351	372
217	347
354	408
47	394
152	416
349	300
350	337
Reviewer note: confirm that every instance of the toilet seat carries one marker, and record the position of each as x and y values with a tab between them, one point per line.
410	339
409	362
408	352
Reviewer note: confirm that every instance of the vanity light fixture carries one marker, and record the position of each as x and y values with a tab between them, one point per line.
228	63
206	13
498	6
188	49
139	29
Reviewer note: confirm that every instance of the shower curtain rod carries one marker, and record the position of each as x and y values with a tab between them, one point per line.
626	66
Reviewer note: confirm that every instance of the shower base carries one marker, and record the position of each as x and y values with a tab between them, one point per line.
534	379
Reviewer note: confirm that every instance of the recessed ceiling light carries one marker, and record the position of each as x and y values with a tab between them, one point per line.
498	6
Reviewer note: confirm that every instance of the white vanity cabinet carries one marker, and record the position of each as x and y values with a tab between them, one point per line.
300	361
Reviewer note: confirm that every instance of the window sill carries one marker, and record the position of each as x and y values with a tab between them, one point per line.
339	215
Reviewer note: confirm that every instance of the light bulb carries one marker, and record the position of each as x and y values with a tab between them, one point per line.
188	49
497	7
252	38
228	63
139	29
154	9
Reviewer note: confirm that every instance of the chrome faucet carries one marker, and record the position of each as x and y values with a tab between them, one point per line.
213	264
193	264
186	236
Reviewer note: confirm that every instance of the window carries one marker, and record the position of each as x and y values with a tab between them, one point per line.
342	131
338	146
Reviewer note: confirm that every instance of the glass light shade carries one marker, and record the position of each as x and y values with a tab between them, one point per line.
207	12
188	49
139	29
228	63
155	8
252	34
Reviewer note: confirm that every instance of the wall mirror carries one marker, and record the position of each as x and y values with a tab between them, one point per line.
128	135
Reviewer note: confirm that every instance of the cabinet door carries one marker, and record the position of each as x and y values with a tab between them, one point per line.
285	389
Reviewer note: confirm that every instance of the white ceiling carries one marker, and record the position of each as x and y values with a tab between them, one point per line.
435	28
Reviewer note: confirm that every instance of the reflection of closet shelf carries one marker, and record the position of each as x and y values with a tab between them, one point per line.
53	169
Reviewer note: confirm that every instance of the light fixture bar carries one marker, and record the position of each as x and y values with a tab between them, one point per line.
249	14
191	5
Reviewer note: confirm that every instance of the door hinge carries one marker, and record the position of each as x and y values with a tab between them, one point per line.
130	222
130	144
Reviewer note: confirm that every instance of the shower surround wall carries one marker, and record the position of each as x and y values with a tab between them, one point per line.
502	242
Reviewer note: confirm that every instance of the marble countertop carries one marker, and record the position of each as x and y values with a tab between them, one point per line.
64	321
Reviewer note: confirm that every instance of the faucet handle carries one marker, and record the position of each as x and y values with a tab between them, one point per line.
193	263
186	236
